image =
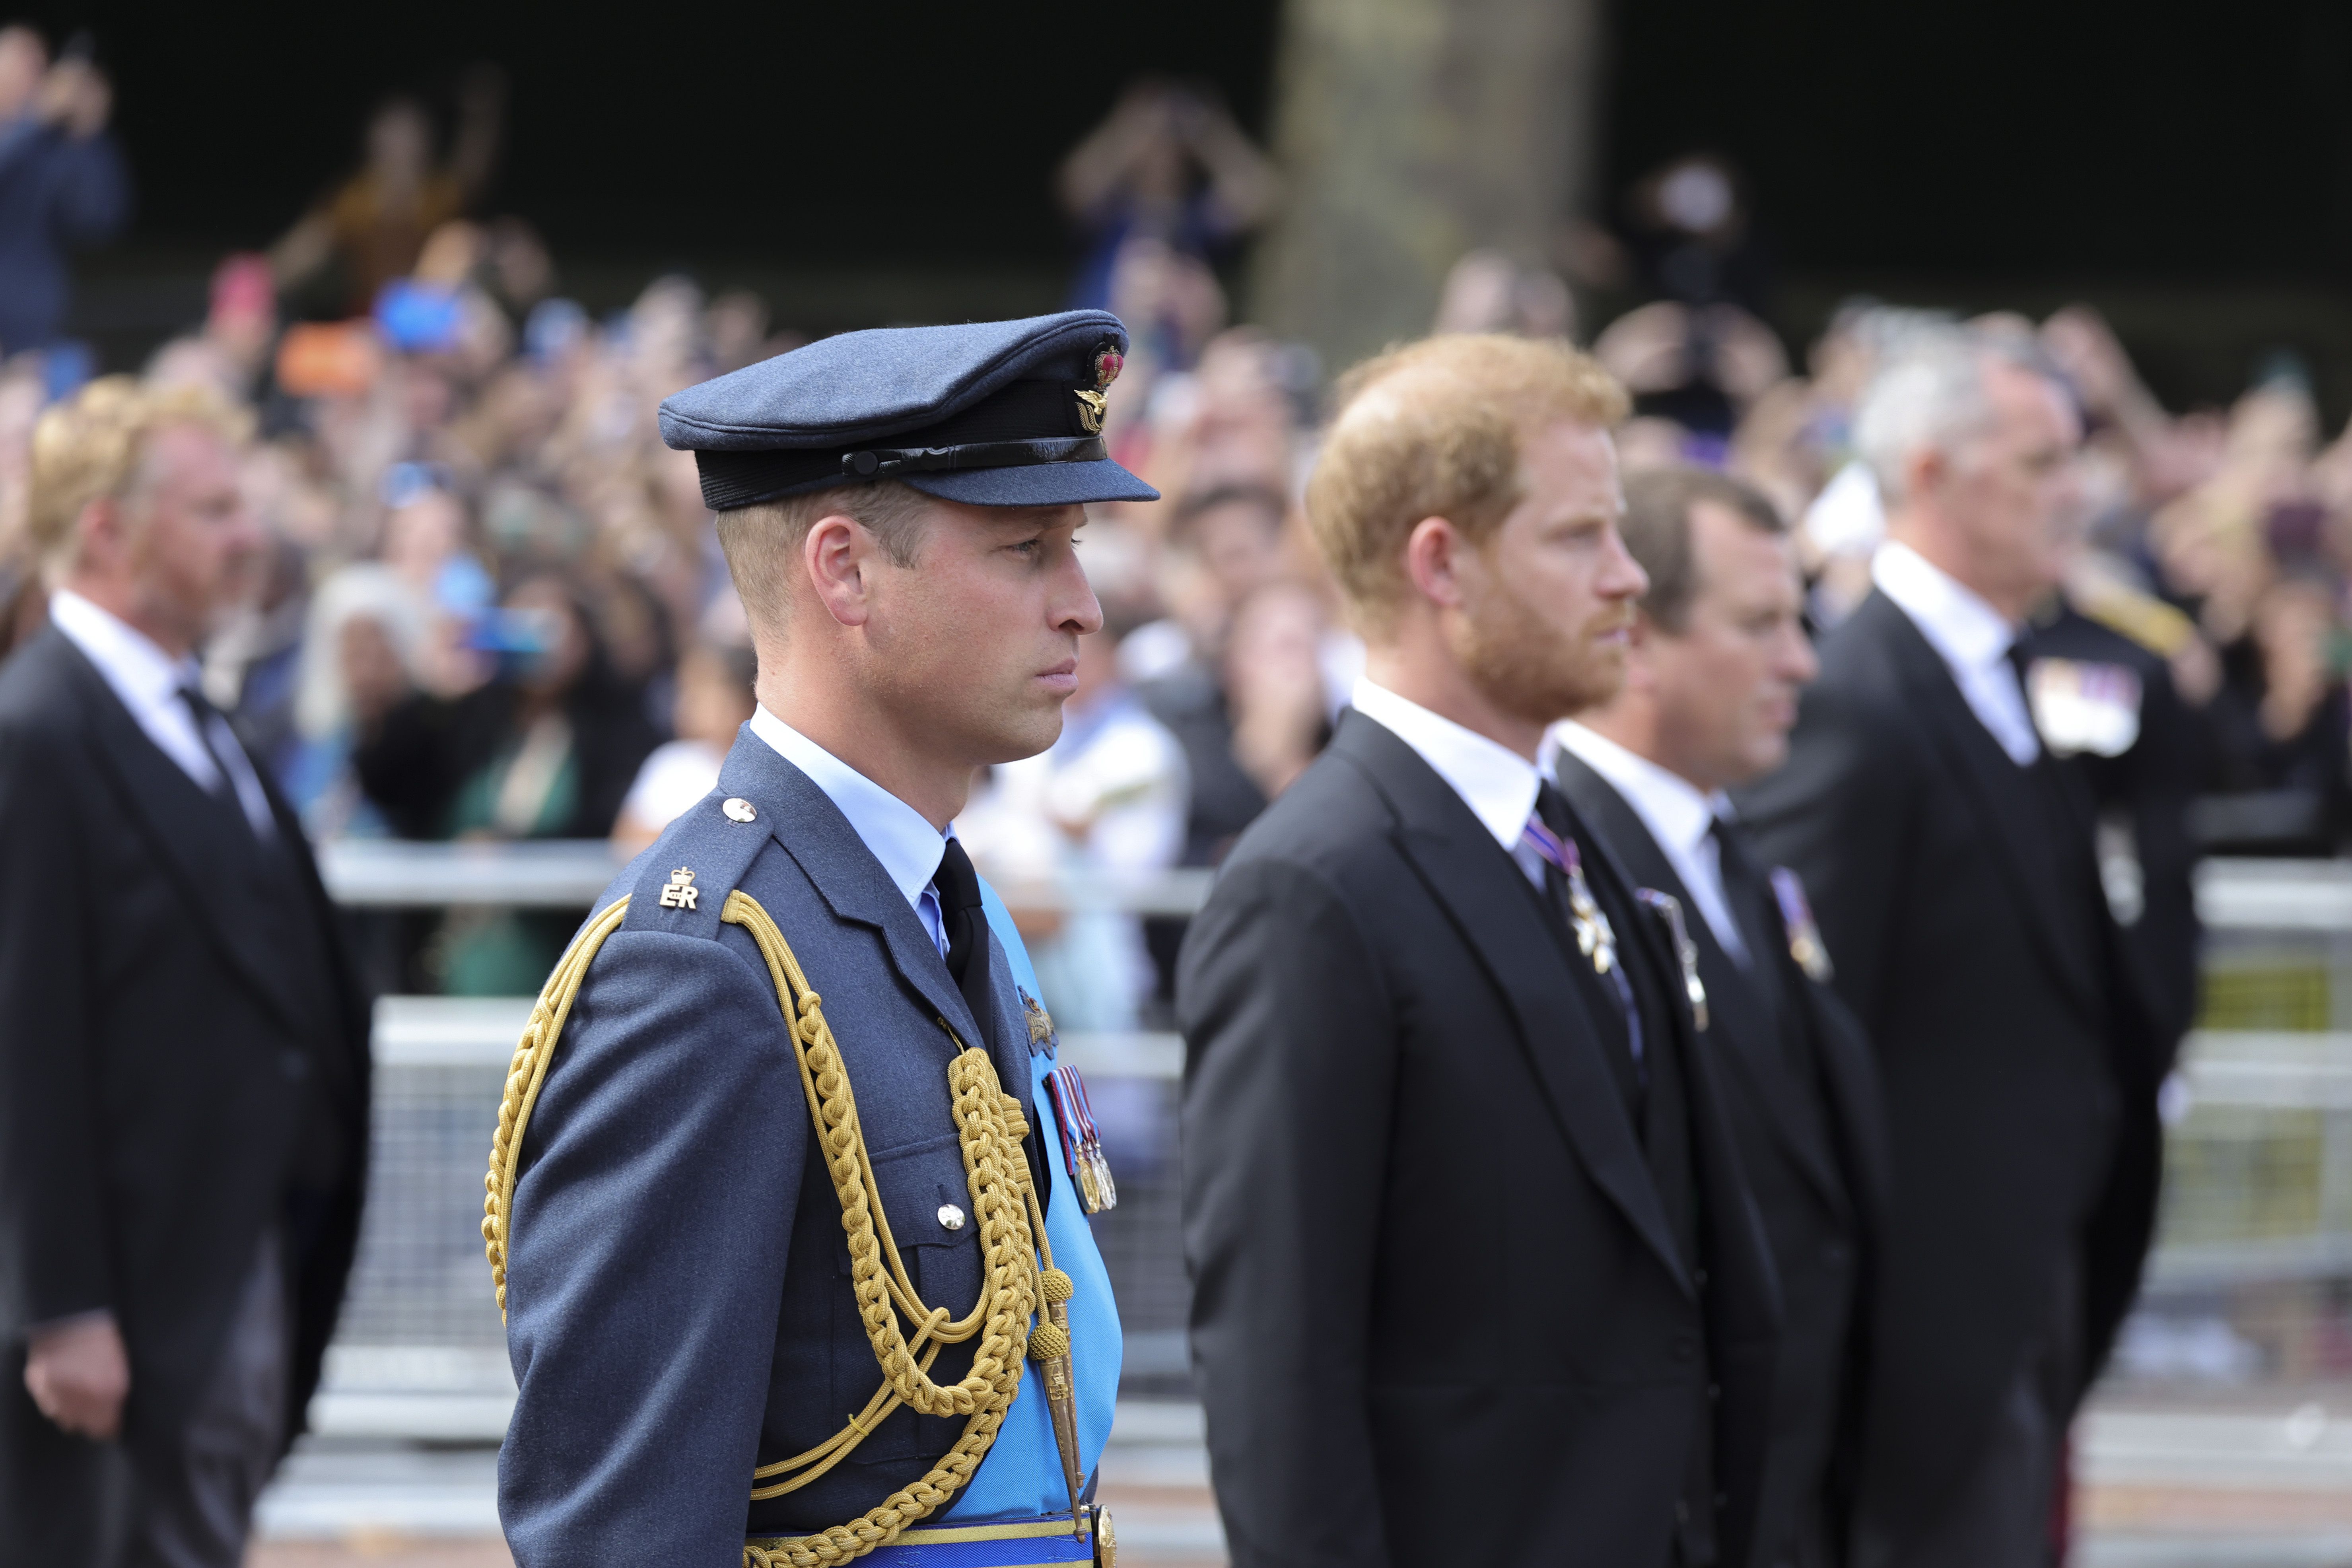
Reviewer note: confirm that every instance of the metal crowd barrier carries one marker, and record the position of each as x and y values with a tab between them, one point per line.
563	874
2258	1207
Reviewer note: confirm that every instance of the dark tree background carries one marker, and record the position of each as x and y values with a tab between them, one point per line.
2015	137
863	128
2191	170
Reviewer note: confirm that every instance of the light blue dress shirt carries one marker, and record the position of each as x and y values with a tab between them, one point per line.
901	837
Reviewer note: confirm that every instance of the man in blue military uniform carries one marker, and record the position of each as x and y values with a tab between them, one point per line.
792	1236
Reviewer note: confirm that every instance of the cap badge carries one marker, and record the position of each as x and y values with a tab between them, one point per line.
681	892
1107	362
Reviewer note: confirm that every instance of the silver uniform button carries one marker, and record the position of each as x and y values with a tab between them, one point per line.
738	809
951	1217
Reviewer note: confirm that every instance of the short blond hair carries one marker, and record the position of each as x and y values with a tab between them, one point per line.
91	447
763	540
1432	429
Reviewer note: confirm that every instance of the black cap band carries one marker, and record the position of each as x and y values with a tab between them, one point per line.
1026	423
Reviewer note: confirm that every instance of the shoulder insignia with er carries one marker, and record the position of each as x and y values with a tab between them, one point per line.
681	888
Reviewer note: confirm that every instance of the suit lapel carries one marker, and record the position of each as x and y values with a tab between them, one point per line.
1740	1017
2001	792
1486	895
819	839
196	841
1856	1094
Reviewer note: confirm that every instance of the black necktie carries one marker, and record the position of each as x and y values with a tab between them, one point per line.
1749	899
966	924
225	784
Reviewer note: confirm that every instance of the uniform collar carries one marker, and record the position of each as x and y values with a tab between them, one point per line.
1496	783
900	837
1677	812
1967	632
142	673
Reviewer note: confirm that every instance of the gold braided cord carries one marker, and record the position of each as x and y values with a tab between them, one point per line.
525	1073
1015	1285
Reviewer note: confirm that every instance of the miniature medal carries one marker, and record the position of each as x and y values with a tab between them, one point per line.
1670	908
1082	1153
1091	1144
2083	707
1594	939
1805	943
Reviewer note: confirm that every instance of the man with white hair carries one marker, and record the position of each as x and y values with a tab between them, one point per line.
1953	886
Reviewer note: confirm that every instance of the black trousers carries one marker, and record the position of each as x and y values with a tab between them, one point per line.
1999	1515
69	1503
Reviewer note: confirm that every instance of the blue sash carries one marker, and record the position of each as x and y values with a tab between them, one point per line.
1021	1478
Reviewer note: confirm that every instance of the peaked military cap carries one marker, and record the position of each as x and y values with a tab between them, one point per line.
989	412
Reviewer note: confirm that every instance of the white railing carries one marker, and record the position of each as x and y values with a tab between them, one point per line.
571	873
481	1031
2247	1104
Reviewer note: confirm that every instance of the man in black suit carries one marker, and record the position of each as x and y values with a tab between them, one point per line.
2141	750
1950	865
184	1070
1720	655
1476	1274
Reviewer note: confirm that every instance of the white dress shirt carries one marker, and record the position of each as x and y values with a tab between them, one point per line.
1496	783
1678	813
149	681
1973	637
901	837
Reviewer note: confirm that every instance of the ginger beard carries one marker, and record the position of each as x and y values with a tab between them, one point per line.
1542	608
1529	657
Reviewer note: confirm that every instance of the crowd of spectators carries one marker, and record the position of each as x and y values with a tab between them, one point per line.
495	607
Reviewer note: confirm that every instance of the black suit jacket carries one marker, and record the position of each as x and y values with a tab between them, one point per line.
1815	1155
1961	912
1439	1313
2148	790
161	1043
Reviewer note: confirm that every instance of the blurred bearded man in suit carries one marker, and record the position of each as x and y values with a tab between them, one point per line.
1476	1274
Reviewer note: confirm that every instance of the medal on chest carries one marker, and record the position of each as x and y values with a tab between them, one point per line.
1669	909
2079	706
1082	1150
1805	945
1594	939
